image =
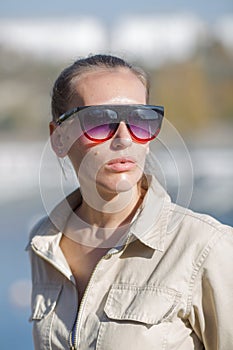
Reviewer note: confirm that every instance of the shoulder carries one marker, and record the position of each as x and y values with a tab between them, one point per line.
41	228
37	226
201	234
197	222
196	229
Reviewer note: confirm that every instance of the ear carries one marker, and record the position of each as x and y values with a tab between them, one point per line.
56	138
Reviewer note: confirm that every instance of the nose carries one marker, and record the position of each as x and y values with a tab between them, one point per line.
122	138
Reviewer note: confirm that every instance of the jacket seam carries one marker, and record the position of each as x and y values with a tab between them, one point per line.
208	221
50	331
200	262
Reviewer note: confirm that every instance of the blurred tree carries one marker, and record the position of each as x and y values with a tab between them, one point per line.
196	93
199	92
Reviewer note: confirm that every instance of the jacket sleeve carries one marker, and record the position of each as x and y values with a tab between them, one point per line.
211	315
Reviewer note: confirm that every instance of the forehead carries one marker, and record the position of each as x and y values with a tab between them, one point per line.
102	86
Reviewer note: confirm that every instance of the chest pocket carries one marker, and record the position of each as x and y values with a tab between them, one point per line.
137	317
150	305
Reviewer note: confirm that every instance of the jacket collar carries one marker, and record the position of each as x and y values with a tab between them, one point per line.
149	224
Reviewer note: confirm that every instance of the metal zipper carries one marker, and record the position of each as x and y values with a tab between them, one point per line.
74	337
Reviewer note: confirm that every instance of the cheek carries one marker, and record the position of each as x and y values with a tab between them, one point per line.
76	153
142	150
73	137
86	156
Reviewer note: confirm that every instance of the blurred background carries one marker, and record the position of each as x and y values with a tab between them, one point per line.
187	48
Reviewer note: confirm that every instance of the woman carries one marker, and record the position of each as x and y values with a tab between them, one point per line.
111	268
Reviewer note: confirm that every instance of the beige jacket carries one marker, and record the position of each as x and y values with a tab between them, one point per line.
169	287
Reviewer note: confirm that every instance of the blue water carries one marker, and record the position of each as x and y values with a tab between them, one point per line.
16	216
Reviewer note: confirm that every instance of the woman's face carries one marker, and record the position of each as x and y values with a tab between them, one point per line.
115	165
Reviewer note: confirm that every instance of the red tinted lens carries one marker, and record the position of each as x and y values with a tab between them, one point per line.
101	132
144	124
98	123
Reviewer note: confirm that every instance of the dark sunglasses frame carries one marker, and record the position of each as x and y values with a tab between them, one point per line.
123	109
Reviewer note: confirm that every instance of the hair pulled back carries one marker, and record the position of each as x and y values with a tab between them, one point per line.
63	89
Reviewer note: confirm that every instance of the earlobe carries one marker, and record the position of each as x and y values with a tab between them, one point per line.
56	139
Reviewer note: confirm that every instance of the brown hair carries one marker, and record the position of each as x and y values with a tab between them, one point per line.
62	92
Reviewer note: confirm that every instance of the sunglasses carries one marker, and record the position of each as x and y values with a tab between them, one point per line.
99	123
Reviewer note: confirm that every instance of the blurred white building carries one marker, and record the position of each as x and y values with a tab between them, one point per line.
158	39
55	39
155	39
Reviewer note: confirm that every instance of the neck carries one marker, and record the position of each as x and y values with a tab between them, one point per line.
112	211
106	225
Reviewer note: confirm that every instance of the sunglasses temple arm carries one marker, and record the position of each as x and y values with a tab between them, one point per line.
67	115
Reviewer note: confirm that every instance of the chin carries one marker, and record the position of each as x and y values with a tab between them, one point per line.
118	183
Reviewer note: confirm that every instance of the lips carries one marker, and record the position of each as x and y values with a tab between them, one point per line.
121	164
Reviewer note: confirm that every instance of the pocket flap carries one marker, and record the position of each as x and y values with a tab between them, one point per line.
149	304
44	299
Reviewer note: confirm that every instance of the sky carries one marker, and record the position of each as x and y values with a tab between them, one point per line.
109	11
